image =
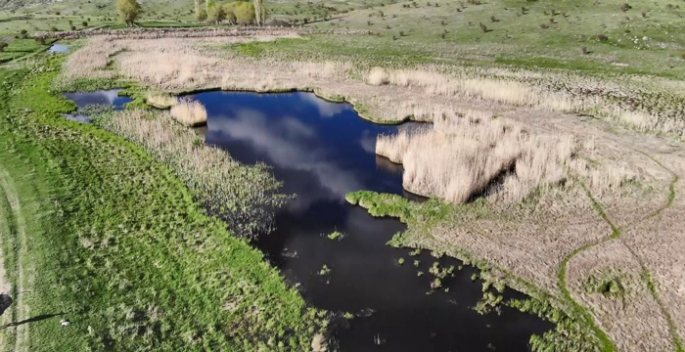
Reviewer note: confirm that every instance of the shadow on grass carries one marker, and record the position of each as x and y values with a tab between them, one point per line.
32	320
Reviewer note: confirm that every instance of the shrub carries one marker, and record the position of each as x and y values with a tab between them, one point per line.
377	77
602	38
161	101
483	27
189	113
625	7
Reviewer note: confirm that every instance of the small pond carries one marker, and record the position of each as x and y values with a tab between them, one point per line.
100	97
58	49
322	151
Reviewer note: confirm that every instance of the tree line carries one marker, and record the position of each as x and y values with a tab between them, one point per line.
242	12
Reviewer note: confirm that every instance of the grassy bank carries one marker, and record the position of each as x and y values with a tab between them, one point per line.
103	235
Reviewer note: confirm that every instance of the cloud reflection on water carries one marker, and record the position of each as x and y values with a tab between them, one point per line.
290	145
325	108
104	97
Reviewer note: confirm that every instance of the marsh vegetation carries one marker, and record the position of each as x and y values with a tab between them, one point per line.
553	160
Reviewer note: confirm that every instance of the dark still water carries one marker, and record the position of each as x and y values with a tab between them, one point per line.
100	97
322	151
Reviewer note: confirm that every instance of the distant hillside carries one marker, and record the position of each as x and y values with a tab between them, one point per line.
19	4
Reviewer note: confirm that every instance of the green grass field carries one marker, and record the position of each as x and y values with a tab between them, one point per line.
96	231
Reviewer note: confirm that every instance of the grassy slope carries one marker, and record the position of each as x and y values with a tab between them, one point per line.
446	31
118	244
451	31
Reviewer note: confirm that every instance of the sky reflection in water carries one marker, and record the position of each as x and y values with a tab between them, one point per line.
322	151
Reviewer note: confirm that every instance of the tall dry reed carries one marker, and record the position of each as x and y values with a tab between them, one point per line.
462	157
161	101
244	196
190	113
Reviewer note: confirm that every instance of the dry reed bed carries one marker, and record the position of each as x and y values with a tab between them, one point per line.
631	317
161	100
659	111
460	157
189	113
243	195
200	32
414	91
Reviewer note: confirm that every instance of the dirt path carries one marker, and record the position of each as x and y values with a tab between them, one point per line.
647	277
20	307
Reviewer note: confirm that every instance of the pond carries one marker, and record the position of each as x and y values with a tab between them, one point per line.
100	97
322	151
58	49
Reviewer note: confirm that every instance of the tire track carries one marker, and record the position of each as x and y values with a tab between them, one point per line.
647	275
21	307
608	345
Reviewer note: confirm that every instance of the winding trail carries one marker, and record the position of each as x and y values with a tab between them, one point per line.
608	345
18	233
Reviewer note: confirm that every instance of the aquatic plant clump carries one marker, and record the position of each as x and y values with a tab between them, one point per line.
245	196
163	101
189	113
462	157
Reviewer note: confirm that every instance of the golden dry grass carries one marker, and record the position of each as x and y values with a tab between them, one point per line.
161	100
460	157
173	62
189	113
377	77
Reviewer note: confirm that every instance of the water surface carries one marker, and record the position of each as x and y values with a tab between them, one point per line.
100	97
58	49
322	151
